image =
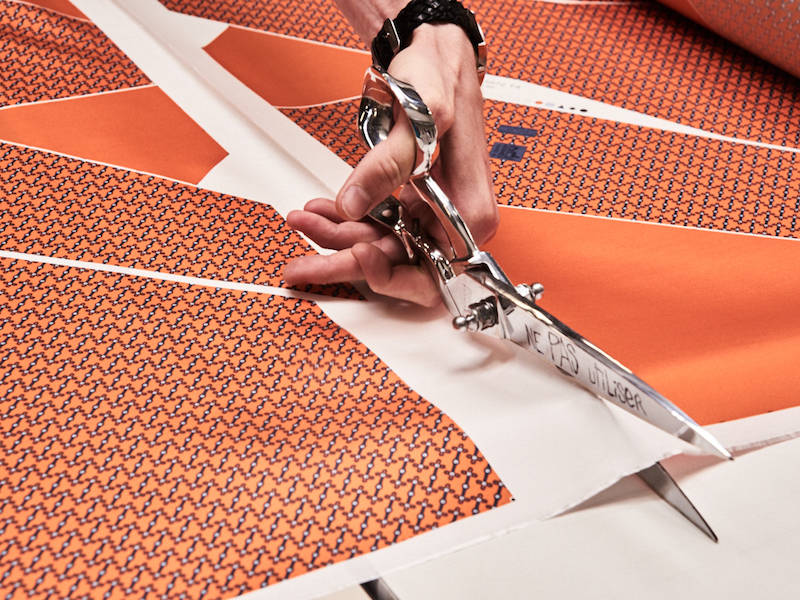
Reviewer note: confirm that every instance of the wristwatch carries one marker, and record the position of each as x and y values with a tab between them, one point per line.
395	35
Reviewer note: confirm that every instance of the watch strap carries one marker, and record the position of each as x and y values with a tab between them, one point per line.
396	34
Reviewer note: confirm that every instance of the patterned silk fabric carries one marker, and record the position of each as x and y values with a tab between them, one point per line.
45	55
173	440
168	440
768	28
140	221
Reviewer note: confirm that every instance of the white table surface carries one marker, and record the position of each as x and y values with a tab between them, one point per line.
627	543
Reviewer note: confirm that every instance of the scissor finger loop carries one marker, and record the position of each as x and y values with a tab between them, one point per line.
380	93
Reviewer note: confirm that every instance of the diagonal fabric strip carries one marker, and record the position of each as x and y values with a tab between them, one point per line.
139	129
73	209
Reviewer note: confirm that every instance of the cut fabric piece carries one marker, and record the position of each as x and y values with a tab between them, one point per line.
597	167
309	73
140	129
317	20
163	439
709	319
68	208
45	55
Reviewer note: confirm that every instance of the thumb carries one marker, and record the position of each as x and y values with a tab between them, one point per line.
384	169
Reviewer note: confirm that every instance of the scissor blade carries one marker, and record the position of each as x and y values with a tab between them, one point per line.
378	589
662	483
533	328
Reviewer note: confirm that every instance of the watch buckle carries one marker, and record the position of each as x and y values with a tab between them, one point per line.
480	52
390	31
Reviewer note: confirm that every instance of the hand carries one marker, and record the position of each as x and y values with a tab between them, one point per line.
440	64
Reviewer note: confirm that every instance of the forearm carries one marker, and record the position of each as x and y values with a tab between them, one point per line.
367	16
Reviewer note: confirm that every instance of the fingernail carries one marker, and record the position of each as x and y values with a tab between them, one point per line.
354	202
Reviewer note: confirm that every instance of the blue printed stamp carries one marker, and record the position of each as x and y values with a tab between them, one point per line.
507	151
513	130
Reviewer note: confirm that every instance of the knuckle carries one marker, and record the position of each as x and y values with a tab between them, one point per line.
443	114
379	283
379	288
483	221
391	170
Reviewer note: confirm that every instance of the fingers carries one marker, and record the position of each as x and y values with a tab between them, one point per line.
332	234
384	168
463	166
325	208
339	266
322	269
378	263
405	282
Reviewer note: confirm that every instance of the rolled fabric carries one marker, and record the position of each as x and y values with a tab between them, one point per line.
768	28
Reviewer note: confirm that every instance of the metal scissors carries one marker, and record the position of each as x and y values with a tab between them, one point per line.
481	297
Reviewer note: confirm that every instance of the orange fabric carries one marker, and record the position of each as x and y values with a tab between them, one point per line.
140	129
709	319
288	72
604	168
68	208
62	6
183	441
644	57
45	55
769	28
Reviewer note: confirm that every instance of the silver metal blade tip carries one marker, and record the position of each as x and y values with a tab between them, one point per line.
702	439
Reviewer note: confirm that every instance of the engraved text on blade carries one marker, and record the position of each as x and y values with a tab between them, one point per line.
576	362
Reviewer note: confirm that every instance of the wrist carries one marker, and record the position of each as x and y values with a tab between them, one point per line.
397	33
447	44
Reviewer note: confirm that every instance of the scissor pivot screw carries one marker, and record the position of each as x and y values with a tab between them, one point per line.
468	322
480	315
533	291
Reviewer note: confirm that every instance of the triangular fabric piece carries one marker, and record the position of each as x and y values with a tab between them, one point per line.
140	129
310	72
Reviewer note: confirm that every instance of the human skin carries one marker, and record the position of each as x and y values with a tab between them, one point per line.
440	64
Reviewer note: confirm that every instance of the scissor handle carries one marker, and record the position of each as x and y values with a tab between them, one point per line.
375	120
